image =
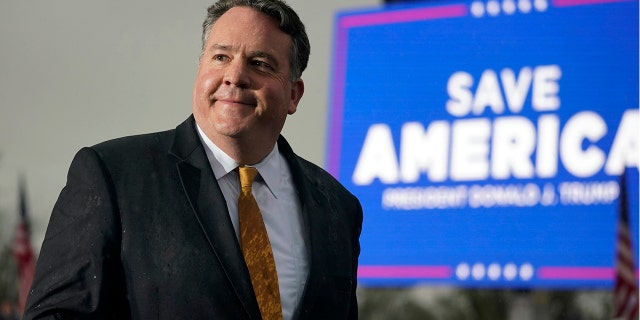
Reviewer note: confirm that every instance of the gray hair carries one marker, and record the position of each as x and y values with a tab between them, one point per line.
287	19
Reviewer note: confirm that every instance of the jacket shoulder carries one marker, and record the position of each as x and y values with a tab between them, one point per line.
135	155
137	143
323	179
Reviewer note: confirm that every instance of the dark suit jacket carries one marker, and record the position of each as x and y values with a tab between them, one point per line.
141	231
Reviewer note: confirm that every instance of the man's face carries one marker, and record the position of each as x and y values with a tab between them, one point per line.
243	88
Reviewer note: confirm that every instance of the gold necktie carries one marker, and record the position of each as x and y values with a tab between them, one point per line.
256	248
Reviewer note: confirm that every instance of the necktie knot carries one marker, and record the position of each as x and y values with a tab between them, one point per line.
247	174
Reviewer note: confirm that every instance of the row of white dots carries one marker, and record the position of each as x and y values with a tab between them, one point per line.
494	8
494	271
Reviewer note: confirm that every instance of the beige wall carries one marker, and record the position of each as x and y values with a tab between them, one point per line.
76	72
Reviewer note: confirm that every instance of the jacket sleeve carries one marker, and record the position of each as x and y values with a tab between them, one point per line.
357	230
79	273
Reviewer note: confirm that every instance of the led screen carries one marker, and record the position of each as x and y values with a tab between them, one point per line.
486	140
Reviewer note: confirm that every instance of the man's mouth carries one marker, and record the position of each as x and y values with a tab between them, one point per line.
234	100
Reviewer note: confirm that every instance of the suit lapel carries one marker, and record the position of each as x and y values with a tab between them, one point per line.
312	201
310	198
210	209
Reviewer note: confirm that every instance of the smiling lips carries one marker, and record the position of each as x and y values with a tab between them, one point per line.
233	99
233	102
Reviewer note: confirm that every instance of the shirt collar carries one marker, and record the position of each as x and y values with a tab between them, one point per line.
222	164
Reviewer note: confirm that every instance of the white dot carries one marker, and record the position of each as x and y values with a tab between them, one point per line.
477	9
462	271
524	6
478	271
510	271
493	8
541	5
509	7
526	272
494	271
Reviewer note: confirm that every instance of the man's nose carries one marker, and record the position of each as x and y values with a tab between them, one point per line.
237	74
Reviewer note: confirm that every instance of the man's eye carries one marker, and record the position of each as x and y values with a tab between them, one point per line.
220	57
262	64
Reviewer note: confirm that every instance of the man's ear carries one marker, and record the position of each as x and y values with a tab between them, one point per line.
297	90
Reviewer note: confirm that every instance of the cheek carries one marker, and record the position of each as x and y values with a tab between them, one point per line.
201	105
205	85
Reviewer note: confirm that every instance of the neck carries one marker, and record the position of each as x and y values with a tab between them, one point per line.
245	151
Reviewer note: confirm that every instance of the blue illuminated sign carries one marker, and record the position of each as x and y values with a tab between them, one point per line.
486	139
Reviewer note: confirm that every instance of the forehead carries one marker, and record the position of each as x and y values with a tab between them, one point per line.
244	27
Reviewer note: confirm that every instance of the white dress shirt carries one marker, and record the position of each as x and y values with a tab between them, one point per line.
277	198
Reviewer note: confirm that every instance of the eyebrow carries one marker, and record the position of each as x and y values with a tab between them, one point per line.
218	46
254	53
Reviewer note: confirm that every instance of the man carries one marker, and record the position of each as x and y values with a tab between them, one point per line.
149	227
